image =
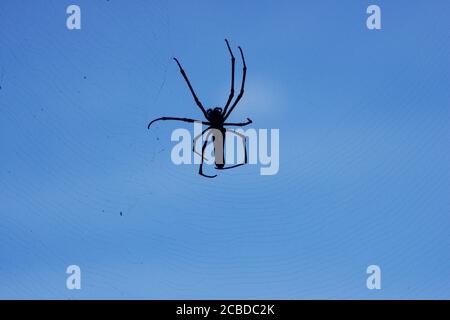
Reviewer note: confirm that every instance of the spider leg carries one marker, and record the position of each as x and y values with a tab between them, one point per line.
176	119
239	124
241	93
200	171
230	97
244	139
194	142
197	101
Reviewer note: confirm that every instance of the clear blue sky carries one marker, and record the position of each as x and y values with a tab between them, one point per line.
364	150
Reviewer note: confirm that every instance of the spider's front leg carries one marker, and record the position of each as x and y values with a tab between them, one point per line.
241	93
239	124
177	119
230	97
197	100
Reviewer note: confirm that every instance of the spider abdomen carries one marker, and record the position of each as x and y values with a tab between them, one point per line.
218	139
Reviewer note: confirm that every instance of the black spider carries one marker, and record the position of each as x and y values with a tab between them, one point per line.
216	118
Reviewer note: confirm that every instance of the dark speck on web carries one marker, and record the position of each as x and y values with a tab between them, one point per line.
121	214
84	77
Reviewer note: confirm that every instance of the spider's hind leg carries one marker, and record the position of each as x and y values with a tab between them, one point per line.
194	142
200	171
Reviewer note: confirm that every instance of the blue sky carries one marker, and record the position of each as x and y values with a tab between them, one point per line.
364	155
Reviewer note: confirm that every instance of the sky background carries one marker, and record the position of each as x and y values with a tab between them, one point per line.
364	150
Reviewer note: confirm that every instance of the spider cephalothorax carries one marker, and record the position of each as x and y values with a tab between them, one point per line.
216	118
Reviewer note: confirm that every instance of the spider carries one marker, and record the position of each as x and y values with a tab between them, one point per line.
215	119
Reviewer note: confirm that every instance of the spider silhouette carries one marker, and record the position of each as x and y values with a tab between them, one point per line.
215	119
